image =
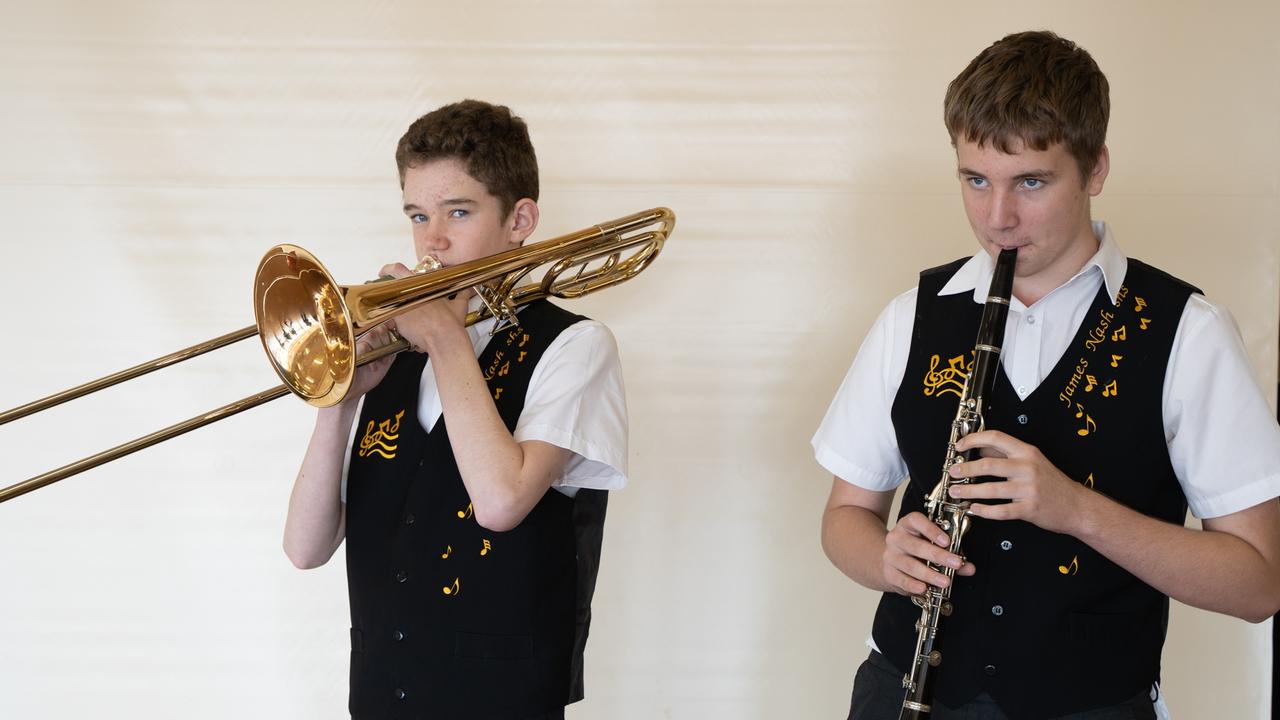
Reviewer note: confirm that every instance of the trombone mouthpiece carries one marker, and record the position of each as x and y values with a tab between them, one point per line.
427	263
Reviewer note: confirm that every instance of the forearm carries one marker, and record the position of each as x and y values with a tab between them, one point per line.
489	459
854	540
315	525
1208	569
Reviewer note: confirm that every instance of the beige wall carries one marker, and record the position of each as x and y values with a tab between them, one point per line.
150	152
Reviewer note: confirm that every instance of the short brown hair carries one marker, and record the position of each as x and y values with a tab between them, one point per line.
1035	87
489	139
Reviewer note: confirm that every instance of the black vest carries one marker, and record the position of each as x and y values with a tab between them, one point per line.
1047	626
450	620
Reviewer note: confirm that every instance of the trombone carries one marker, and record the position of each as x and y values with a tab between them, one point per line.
309	324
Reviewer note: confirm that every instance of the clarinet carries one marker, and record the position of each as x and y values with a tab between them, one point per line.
952	515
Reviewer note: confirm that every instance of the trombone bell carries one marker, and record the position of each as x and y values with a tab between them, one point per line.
304	325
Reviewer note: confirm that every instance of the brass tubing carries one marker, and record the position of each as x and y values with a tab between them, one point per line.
172	431
139	370
309	325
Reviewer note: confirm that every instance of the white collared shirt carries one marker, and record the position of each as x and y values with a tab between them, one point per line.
575	400
1223	440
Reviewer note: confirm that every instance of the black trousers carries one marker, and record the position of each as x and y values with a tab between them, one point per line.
554	715
878	693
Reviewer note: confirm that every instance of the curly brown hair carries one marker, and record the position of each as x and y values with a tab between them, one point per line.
1035	87
489	139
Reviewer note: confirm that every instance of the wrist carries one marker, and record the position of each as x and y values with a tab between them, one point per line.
338	417
1083	519
443	339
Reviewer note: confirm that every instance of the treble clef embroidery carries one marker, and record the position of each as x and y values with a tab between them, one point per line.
948	380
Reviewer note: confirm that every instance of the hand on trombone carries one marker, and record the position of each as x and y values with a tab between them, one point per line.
370	374
425	325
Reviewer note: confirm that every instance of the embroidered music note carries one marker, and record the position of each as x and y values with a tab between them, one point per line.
381	442
1119	335
1091	383
1072	569
1139	304
948	380
464	514
1111	389
520	358
1089	424
497	393
1115	360
447	552
1143	323
524	338
1088	482
487	547
452	590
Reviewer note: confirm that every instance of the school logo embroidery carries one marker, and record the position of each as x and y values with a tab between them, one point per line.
381	442
949	379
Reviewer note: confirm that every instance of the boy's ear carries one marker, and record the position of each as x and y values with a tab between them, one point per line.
1093	184
523	220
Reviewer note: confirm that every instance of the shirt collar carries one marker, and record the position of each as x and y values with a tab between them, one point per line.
975	275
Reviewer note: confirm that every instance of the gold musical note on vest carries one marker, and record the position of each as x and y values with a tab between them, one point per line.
381	442
1089	424
497	393
464	514
452	590
1072	569
1119	335
520	358
524	338
1091	382
948	380
447	552
1139	304
1088	482
1111	389
487	547
1143	323
1115	360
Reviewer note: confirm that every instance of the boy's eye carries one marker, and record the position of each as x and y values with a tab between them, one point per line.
1032	183
417	218
976	182
457	213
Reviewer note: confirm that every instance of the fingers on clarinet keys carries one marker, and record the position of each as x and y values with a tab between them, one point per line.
921	602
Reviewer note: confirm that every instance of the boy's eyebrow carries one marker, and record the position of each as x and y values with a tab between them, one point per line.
451	201
1047	174
1044	174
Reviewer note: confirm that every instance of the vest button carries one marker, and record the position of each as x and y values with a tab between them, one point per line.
990	670
401	694
397	636
1023	419
402	576
997	610
1006	545
408	519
